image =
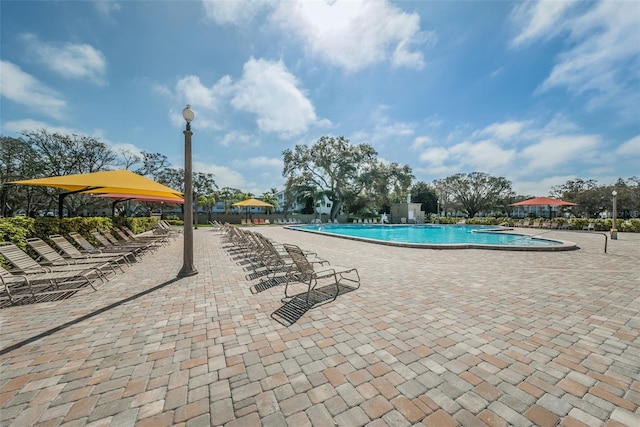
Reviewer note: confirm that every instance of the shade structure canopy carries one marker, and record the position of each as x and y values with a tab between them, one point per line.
118	181
253	203
543	201
120	197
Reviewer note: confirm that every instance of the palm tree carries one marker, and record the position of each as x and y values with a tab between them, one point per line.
270	198
207	201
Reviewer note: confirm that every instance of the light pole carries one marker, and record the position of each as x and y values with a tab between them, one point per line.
188	269
614	230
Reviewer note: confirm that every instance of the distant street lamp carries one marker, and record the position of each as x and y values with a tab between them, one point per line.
614	230
188	269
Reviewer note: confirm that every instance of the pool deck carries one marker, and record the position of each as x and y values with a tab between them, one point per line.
432	337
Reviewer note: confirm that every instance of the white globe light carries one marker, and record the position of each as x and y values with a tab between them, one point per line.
188	114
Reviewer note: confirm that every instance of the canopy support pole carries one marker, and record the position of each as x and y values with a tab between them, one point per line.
61	197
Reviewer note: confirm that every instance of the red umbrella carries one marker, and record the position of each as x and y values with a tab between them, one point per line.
544	201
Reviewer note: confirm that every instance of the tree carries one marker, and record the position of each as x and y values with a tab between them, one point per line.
270	198
226	194
332	165
423	193
17	161
388	183
152	164
60	155
477	191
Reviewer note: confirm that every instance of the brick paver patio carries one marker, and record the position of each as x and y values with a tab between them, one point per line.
432	337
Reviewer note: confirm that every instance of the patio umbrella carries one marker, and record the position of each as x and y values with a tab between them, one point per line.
544	201
253	203
118	181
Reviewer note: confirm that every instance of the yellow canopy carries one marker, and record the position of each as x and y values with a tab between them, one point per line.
119	181
254	203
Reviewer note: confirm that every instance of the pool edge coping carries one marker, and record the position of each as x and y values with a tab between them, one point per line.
563	245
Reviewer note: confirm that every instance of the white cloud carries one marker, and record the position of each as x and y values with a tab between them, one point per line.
271	92
190	90
29	125
236	138
483	155
24	89
234	12
539	187
107	7
420	142
264	161
503	131
539	19
630	148
72	61
355	34
552	152
435	156
602	43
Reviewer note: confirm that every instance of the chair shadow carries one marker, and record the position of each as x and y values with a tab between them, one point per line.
297	305
263	285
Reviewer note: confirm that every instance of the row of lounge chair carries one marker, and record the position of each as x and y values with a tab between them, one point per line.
552	225
67	266
287	263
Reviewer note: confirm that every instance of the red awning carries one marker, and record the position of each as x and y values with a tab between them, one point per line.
543	201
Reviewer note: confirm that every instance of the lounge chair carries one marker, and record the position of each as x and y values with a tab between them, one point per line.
152	244
24	264
161	238
49	257
70	251
89	248
303	271
112	242
37	284
589	227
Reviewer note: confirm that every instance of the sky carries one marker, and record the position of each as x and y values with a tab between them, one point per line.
536	92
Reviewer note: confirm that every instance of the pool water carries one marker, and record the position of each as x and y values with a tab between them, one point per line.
430	235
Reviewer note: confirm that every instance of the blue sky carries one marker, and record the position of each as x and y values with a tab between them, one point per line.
537	92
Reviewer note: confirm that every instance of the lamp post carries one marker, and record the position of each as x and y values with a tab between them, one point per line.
195	215
438	217
188	269
614	230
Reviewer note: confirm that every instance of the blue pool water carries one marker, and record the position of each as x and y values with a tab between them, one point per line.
430	235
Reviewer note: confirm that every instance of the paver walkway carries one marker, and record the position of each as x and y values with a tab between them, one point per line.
432	337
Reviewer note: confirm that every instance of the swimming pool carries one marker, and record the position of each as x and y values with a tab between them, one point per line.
436	236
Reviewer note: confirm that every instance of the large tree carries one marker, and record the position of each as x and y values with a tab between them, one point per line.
332	165
423	193
59	154
17	161
388	183
476	191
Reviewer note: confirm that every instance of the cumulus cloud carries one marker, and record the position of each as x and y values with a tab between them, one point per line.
236	138
553	151
70	60
263	161
503	131
268	90
22	88
345	33
356	34
30	125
